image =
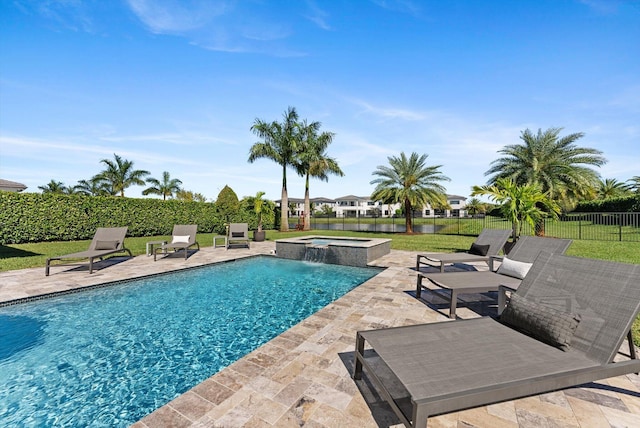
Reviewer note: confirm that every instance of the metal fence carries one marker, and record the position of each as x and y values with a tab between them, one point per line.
587	226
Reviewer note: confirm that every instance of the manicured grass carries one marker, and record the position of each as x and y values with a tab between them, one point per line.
22	256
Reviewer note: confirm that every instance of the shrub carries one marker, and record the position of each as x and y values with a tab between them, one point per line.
35	217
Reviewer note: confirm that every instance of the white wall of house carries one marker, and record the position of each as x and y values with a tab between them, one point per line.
363	206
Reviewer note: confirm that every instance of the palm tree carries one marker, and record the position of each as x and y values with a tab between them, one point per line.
313	161
189	196
519	203
280	144
634	183
409	182
612	188
557	165
53	186
258	204
120	174
474	206
93	187
167	187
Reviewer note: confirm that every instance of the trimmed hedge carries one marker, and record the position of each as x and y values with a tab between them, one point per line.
35	217
613	205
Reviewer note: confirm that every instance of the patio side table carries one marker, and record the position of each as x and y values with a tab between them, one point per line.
150	245
216	238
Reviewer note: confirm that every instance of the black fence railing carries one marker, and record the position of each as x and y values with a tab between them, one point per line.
587	226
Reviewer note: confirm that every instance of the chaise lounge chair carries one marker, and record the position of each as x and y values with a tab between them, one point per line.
430	369
106	241
513	268
182	238
238	235
489	243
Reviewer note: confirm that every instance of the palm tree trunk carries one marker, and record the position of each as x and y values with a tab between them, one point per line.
307	206
540	228
284	204
407	216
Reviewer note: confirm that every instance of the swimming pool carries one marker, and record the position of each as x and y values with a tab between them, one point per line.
109	356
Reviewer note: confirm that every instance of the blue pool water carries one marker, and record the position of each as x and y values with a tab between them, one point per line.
327	241
109	356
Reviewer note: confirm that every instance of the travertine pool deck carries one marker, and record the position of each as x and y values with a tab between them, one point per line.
302	377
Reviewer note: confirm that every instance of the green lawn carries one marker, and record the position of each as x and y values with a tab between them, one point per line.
22	256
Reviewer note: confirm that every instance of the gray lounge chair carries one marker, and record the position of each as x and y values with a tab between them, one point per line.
238	235
183	237
493	238
525	250
430	369
106	241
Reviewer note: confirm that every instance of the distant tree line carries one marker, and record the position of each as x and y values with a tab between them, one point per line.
119	175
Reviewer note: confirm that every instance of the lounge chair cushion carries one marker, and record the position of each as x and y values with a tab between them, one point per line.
546	324
514	268
178	239
107	245
479	250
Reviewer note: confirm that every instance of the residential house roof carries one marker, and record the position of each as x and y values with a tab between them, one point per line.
11	186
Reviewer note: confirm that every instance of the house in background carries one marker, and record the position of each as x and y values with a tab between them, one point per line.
11	186
364	206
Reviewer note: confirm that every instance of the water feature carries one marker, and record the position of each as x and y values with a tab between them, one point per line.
316	253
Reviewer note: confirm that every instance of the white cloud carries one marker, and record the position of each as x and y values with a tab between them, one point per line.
176	16
318	16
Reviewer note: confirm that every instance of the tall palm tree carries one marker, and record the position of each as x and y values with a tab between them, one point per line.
519	203
612	188
120	174
410	182
556	164
313	161
167	187
280	144
53	187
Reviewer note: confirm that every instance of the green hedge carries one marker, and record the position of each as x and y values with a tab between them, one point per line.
35	217
613	205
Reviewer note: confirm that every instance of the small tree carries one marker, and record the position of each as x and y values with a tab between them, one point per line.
519	204
189	196
258	205
227	203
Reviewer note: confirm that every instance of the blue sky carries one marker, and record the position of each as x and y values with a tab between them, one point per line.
175	85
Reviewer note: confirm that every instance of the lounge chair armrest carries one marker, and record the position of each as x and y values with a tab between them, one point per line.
492	260
502	296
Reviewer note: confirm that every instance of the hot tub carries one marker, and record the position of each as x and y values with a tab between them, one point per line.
333	249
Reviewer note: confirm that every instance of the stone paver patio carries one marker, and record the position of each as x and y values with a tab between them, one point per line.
302	377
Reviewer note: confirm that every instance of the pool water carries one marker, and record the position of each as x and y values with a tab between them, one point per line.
327	241
109	356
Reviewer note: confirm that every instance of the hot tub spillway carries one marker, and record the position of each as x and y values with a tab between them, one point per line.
316	253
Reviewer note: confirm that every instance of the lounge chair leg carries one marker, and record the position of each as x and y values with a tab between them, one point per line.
632	348
419	286
357	367
453	304
90	265
46	267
